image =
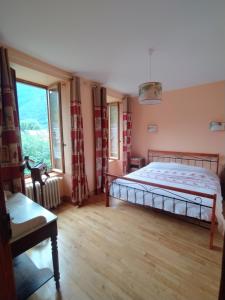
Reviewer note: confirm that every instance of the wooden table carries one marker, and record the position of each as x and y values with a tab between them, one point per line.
22	209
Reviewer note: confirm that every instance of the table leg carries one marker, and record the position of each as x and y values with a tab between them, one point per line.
55	260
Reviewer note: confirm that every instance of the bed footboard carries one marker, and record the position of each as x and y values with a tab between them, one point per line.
152	187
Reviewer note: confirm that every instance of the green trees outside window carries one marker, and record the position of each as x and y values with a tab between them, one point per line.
33	114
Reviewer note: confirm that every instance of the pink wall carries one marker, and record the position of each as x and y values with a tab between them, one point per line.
183	119
88	130
88	122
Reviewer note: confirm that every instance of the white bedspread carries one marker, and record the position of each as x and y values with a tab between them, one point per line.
175	175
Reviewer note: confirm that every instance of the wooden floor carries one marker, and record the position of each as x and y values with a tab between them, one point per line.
126	252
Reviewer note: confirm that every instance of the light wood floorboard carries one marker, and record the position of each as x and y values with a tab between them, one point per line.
126	252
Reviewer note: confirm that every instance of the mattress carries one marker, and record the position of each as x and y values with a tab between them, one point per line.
174	175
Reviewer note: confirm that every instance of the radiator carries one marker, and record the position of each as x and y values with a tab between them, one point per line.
51	192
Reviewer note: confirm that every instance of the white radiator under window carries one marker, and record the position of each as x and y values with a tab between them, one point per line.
51	191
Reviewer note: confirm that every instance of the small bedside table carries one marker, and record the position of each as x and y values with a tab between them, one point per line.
136	163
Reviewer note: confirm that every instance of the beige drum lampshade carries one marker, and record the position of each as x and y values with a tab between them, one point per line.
150	93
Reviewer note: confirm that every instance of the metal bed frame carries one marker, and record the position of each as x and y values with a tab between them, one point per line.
209	161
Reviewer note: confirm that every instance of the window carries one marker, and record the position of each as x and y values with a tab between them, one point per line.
113	110
40	123
55	119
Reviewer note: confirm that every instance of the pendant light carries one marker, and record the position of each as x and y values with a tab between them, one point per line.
150	92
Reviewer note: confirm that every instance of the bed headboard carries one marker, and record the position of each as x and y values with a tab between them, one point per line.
205	160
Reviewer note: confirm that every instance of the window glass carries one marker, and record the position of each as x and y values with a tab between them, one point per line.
33	114
114	130
55	127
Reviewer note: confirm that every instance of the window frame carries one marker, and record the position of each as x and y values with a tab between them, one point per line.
49	126
56	85
32	83
117	104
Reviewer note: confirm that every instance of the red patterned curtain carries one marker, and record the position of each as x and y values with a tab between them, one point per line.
101	137
79	178
10	140
127	125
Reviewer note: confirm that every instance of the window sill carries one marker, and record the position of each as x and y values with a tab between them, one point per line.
112	159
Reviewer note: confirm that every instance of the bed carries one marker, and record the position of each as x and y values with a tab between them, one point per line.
181	183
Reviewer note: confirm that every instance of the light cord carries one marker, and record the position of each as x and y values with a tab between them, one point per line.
150	64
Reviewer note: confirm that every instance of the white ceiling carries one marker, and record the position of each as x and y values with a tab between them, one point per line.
108	40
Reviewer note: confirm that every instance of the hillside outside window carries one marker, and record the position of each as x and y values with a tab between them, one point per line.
40	124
